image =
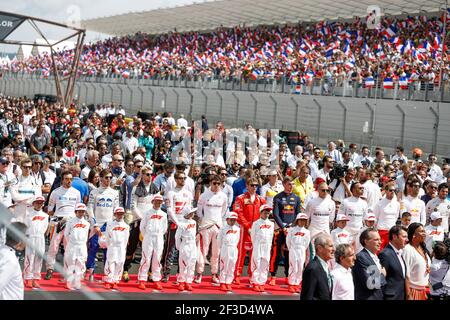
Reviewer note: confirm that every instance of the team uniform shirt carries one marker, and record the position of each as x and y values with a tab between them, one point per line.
62	201
141	204
442	206
171	184
355	209
37	222
185	243
5	189
102	203
227	240
261	234
23	194
228	190
268	192
434	234
386	212
285	209
340	236
212	207
371	193
416	207
11	282
177	199
321	213
297	242
116	238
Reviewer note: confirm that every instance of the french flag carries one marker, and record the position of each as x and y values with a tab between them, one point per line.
403	82
349	64
255	74
437	42
302	52
309	75
388	83
198	59
369	82
290	48
347	49
395	40
391	31
329	53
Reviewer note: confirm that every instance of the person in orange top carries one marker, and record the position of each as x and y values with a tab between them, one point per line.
247	207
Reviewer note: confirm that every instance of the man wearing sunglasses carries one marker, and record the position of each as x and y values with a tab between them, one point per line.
6	180
442	205
247	207
411	202
101	205
24	191
212	207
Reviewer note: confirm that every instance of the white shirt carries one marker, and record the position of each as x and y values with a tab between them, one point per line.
212	207
339	192
387	212
434	233
416	267
340	236
375	259
131	144
62	201
182	123
343	287
372	194
268	192
11	282
416	207
320	213
355	209
441	205
335	155
398	253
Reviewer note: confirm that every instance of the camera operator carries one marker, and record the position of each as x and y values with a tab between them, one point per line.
340	185
328	165
439	271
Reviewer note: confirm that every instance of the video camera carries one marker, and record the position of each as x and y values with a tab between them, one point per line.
339	171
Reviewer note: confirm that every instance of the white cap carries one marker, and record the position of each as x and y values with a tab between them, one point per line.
80	206
157	197
187	211
265	207
138	158
435	215
231	215
370	217
119	210
342	217
301	215
38	198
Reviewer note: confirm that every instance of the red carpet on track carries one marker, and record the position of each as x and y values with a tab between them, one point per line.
206	287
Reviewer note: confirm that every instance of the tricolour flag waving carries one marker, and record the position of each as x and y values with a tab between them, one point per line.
369	82
388	83
403	82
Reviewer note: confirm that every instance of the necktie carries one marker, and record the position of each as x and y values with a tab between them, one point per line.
330	280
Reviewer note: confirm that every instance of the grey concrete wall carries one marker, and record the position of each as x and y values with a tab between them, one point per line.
273	110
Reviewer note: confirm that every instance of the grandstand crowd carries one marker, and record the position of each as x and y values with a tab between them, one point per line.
400	49
97	178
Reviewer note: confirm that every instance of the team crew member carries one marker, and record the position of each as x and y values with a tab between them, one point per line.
176	200
440	204
286	207
61	206
37	222
247	207
355	209
228	240
102	203
153	228
434	231
340	234
24	192
185	243
412	203
271	188
320	211
297	241
75	237
212	207
116	238
386	212
369	222
141	201
261	234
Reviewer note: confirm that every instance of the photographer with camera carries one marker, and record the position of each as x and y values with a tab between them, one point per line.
342	177
328	165
439	271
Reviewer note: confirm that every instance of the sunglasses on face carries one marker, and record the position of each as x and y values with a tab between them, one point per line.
181	178
254	185
148	174
216	183
325	190
26	167
6	163
107	177
390	190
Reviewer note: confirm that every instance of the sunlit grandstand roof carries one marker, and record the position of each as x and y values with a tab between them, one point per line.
211	14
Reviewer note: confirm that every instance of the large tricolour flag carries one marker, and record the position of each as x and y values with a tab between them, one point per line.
403	82
388	83
369	82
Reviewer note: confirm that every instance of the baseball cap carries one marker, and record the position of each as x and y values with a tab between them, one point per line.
370	217
157	197
80	206
119	210
265	207
301	215
231	215
38	198
138	158
3	160
272	172
187	211
435	215
343	217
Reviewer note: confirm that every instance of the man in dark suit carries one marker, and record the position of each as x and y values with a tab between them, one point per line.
368	274
391	259
317	282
